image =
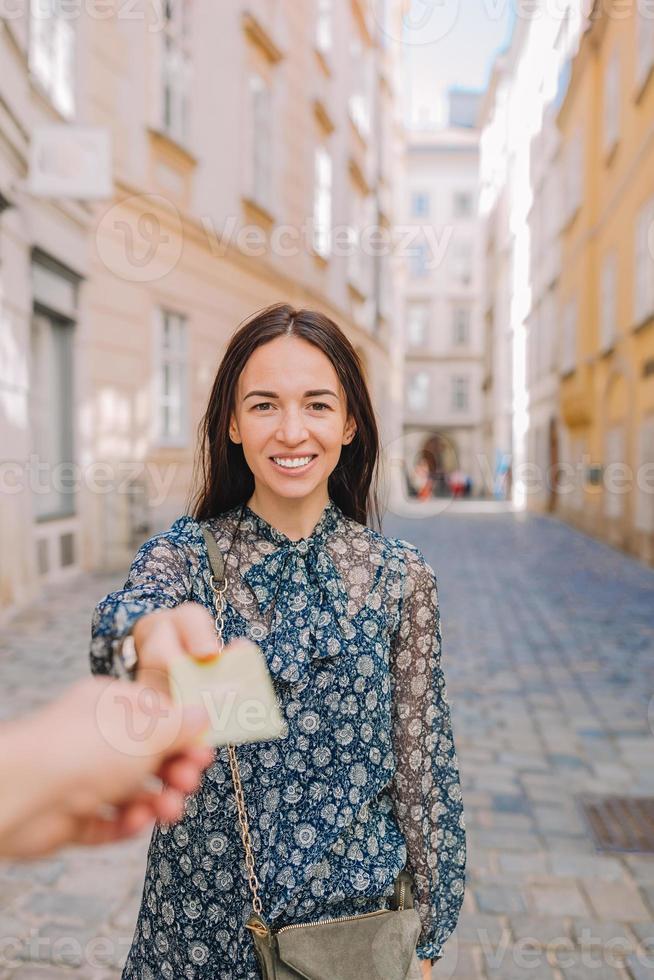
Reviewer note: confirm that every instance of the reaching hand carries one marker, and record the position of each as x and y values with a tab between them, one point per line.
167	633
77	771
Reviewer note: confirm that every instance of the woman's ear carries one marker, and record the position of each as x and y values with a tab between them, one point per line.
234	434
350	431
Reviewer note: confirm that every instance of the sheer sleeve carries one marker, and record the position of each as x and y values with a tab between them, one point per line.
160	577
425	789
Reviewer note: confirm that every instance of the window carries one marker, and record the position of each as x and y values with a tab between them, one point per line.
531	344
418	259
417	323
51	386
608	304
462	262
569	337
52	52
612	100
460	393
359	258
644	21
260	143
462	204
460	325
322	202
644	518
176	65
614	483
576	478
420	204
644	265
172	388
324	33
548	331
573	173
359	101
418	391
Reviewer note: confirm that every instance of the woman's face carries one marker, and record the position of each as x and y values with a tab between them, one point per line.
291	417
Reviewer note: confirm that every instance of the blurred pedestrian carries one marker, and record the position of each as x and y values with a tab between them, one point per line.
422	480
457	481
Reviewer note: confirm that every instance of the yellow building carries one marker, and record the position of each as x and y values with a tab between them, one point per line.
606	286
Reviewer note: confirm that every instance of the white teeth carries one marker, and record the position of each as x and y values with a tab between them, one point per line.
292	464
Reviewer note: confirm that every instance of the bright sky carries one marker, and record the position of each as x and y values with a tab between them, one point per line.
447	43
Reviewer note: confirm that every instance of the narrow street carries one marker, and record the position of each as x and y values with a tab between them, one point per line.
548	652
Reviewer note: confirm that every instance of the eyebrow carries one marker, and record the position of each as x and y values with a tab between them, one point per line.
307	394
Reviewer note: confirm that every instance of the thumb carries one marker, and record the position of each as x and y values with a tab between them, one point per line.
197	630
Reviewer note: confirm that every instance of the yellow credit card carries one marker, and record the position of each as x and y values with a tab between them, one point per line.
237	691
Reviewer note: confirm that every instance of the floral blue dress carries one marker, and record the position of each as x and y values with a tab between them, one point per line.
366	780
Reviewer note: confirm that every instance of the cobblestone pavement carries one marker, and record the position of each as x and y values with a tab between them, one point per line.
548	642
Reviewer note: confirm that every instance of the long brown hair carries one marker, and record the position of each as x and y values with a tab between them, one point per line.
224	477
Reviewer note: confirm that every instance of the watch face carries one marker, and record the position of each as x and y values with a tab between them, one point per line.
128	652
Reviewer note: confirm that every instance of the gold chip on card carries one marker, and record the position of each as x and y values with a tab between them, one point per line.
237	691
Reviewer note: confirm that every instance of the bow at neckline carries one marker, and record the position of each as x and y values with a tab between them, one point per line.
300	580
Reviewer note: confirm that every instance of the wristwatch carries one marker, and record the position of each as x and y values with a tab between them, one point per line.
126	656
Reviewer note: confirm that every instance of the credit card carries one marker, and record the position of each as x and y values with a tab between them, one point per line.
237	691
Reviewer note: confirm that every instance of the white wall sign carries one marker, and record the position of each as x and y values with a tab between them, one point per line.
70	161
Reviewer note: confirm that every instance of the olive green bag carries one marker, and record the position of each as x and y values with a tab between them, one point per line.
377	945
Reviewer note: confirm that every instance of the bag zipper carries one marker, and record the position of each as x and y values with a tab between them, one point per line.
324	922
262	931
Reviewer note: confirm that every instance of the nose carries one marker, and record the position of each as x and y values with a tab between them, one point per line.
292	431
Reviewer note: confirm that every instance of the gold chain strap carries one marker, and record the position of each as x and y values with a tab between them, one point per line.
253	881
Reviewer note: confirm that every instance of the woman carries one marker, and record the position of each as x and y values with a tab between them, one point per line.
367	779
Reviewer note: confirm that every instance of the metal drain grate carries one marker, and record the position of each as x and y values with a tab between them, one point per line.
621	823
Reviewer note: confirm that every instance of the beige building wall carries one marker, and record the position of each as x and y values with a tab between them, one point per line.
251	144
44	268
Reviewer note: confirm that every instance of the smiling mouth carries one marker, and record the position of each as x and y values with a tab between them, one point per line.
293	464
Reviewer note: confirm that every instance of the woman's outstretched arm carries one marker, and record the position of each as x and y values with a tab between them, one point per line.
426	789
155	607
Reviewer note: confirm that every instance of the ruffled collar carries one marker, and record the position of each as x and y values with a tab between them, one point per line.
301	582
327	522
